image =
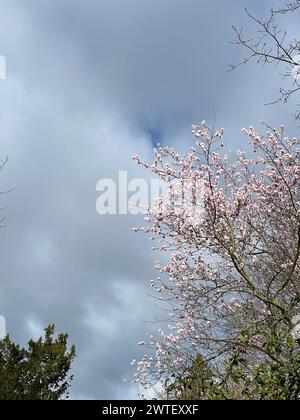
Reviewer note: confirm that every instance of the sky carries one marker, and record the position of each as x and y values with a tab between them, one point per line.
89	84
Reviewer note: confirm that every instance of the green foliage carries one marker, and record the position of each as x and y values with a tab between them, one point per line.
275	377
39	372
279	377
276	382
196	384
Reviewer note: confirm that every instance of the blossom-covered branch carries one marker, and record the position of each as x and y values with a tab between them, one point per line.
232	282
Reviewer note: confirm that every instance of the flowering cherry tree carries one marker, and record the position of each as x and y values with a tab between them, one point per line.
232	277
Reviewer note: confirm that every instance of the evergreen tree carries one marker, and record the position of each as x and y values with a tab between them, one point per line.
39	372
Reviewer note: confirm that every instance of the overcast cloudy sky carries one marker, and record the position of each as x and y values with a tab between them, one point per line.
89	84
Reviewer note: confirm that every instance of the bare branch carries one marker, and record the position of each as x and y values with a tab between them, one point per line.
271	46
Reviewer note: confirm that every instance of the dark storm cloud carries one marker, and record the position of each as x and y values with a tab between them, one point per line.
90	83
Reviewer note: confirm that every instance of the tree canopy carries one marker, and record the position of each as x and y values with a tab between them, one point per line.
38	372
